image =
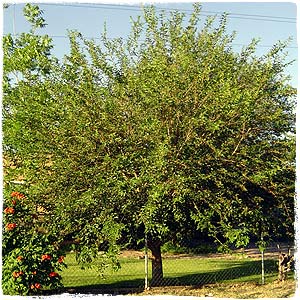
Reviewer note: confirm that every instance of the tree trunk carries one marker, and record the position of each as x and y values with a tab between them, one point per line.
157	268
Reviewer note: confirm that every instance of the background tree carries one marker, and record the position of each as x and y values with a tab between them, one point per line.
168	131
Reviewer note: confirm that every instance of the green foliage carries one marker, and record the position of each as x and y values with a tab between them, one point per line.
34	15
31	256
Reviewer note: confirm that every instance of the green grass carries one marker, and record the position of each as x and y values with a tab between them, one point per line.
177	271
132	272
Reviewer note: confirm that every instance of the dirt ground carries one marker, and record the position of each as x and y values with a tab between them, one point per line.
251	252
238	290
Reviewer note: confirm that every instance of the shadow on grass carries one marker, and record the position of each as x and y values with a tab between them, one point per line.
245	271
241	272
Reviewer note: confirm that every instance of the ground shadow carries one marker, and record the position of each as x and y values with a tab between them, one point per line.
244	269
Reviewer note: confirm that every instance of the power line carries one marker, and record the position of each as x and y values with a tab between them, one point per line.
138	9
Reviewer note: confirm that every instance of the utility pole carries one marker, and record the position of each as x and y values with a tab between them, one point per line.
14	19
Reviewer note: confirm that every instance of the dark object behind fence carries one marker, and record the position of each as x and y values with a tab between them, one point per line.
286	263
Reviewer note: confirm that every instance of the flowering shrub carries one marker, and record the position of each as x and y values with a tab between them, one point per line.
31	257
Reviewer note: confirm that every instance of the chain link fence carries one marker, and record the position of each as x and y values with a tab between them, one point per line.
182	269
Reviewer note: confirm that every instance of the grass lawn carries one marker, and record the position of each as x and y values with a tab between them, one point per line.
131	274
178	271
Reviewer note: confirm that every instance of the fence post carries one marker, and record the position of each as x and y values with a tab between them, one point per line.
262	268
146	262
262	249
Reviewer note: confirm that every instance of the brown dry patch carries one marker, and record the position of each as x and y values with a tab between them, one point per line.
270	253
132	254
230	290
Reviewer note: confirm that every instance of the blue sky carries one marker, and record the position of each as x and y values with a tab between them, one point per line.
269	21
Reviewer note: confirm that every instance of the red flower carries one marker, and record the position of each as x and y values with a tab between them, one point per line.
14	194
33	272
20	196
53	274
61	259
9	210
14	202
20	258
46	257
37	285
17	274
11	226
17	195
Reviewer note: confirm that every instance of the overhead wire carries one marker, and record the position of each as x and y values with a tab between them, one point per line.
138	9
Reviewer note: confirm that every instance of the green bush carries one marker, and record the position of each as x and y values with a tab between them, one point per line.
171	248
203	249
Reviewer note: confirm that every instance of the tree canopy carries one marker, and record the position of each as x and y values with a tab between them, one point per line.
164	133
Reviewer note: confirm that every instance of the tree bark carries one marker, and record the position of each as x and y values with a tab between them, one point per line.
157	268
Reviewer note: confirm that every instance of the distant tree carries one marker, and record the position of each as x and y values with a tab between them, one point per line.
168	132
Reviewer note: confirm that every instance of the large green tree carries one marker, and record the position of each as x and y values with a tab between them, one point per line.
161	134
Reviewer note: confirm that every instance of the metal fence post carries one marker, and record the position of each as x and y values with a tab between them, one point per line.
262	260
262	268
146	263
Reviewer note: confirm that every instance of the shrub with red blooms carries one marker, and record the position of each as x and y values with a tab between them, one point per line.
31	258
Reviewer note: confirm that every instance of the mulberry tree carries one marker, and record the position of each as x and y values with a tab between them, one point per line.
163	133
